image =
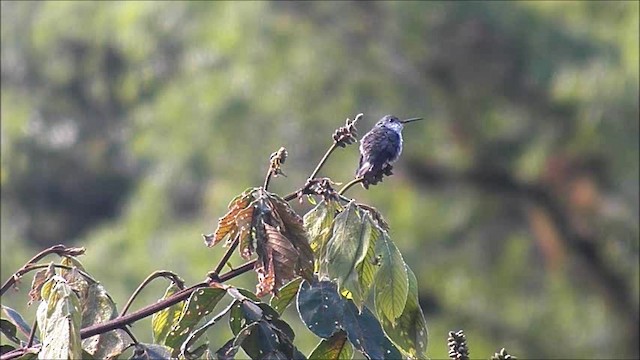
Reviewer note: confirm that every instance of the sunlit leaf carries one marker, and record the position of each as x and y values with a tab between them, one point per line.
59	318
38	281
409	333
286	295
200	303
278	261
17	320
72	261
346	249
164	320
318	224
334	348
227	225
392	284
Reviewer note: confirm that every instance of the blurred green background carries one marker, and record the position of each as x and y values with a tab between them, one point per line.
128	126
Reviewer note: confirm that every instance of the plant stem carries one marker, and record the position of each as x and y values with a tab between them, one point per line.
350	184
267	179
323	160
32	335
238	271
162	273
59	249
225	258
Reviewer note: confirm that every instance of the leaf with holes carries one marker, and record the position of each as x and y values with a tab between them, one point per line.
59	318
227	225
334	348
98	307
286	295
366	334
39	279
392	283
200	303
196	334
410	330
164	320
321	308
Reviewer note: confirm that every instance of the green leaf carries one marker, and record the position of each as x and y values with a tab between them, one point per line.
286	295
392	283
17	320
347	247
196	334
9	330
6	348
334	348
321	307
318	224
163	321
59	317
98	307
366	334
410	331
200	303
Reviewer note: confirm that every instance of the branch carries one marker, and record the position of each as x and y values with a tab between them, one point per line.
59	249
350	184
162	273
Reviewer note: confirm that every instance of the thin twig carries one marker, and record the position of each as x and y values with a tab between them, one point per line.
61	250
32	334
133	337
323	160
238	271
267	179
350	184
161	273
225	258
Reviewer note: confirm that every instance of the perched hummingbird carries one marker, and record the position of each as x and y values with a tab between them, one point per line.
380	147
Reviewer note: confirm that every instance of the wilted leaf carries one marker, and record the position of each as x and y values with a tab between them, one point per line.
98	307
334	348
286	295
72	261
320	307
244	222
227	225
392	284
164	320
365	333
278	261
59	318
9	330
39	279
410	330
151	352
200	303
17	320
292	227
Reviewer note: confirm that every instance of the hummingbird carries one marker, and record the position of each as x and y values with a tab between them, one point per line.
380	147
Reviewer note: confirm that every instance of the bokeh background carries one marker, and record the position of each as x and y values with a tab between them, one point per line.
128	126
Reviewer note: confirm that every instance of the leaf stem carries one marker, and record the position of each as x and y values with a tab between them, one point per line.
161	273
225	258
32	334
267	179
350	184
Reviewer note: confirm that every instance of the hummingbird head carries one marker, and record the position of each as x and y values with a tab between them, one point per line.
393	123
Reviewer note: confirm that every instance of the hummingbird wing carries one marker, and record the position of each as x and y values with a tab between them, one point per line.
378	147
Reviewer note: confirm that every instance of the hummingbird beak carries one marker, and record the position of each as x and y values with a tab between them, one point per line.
410	120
